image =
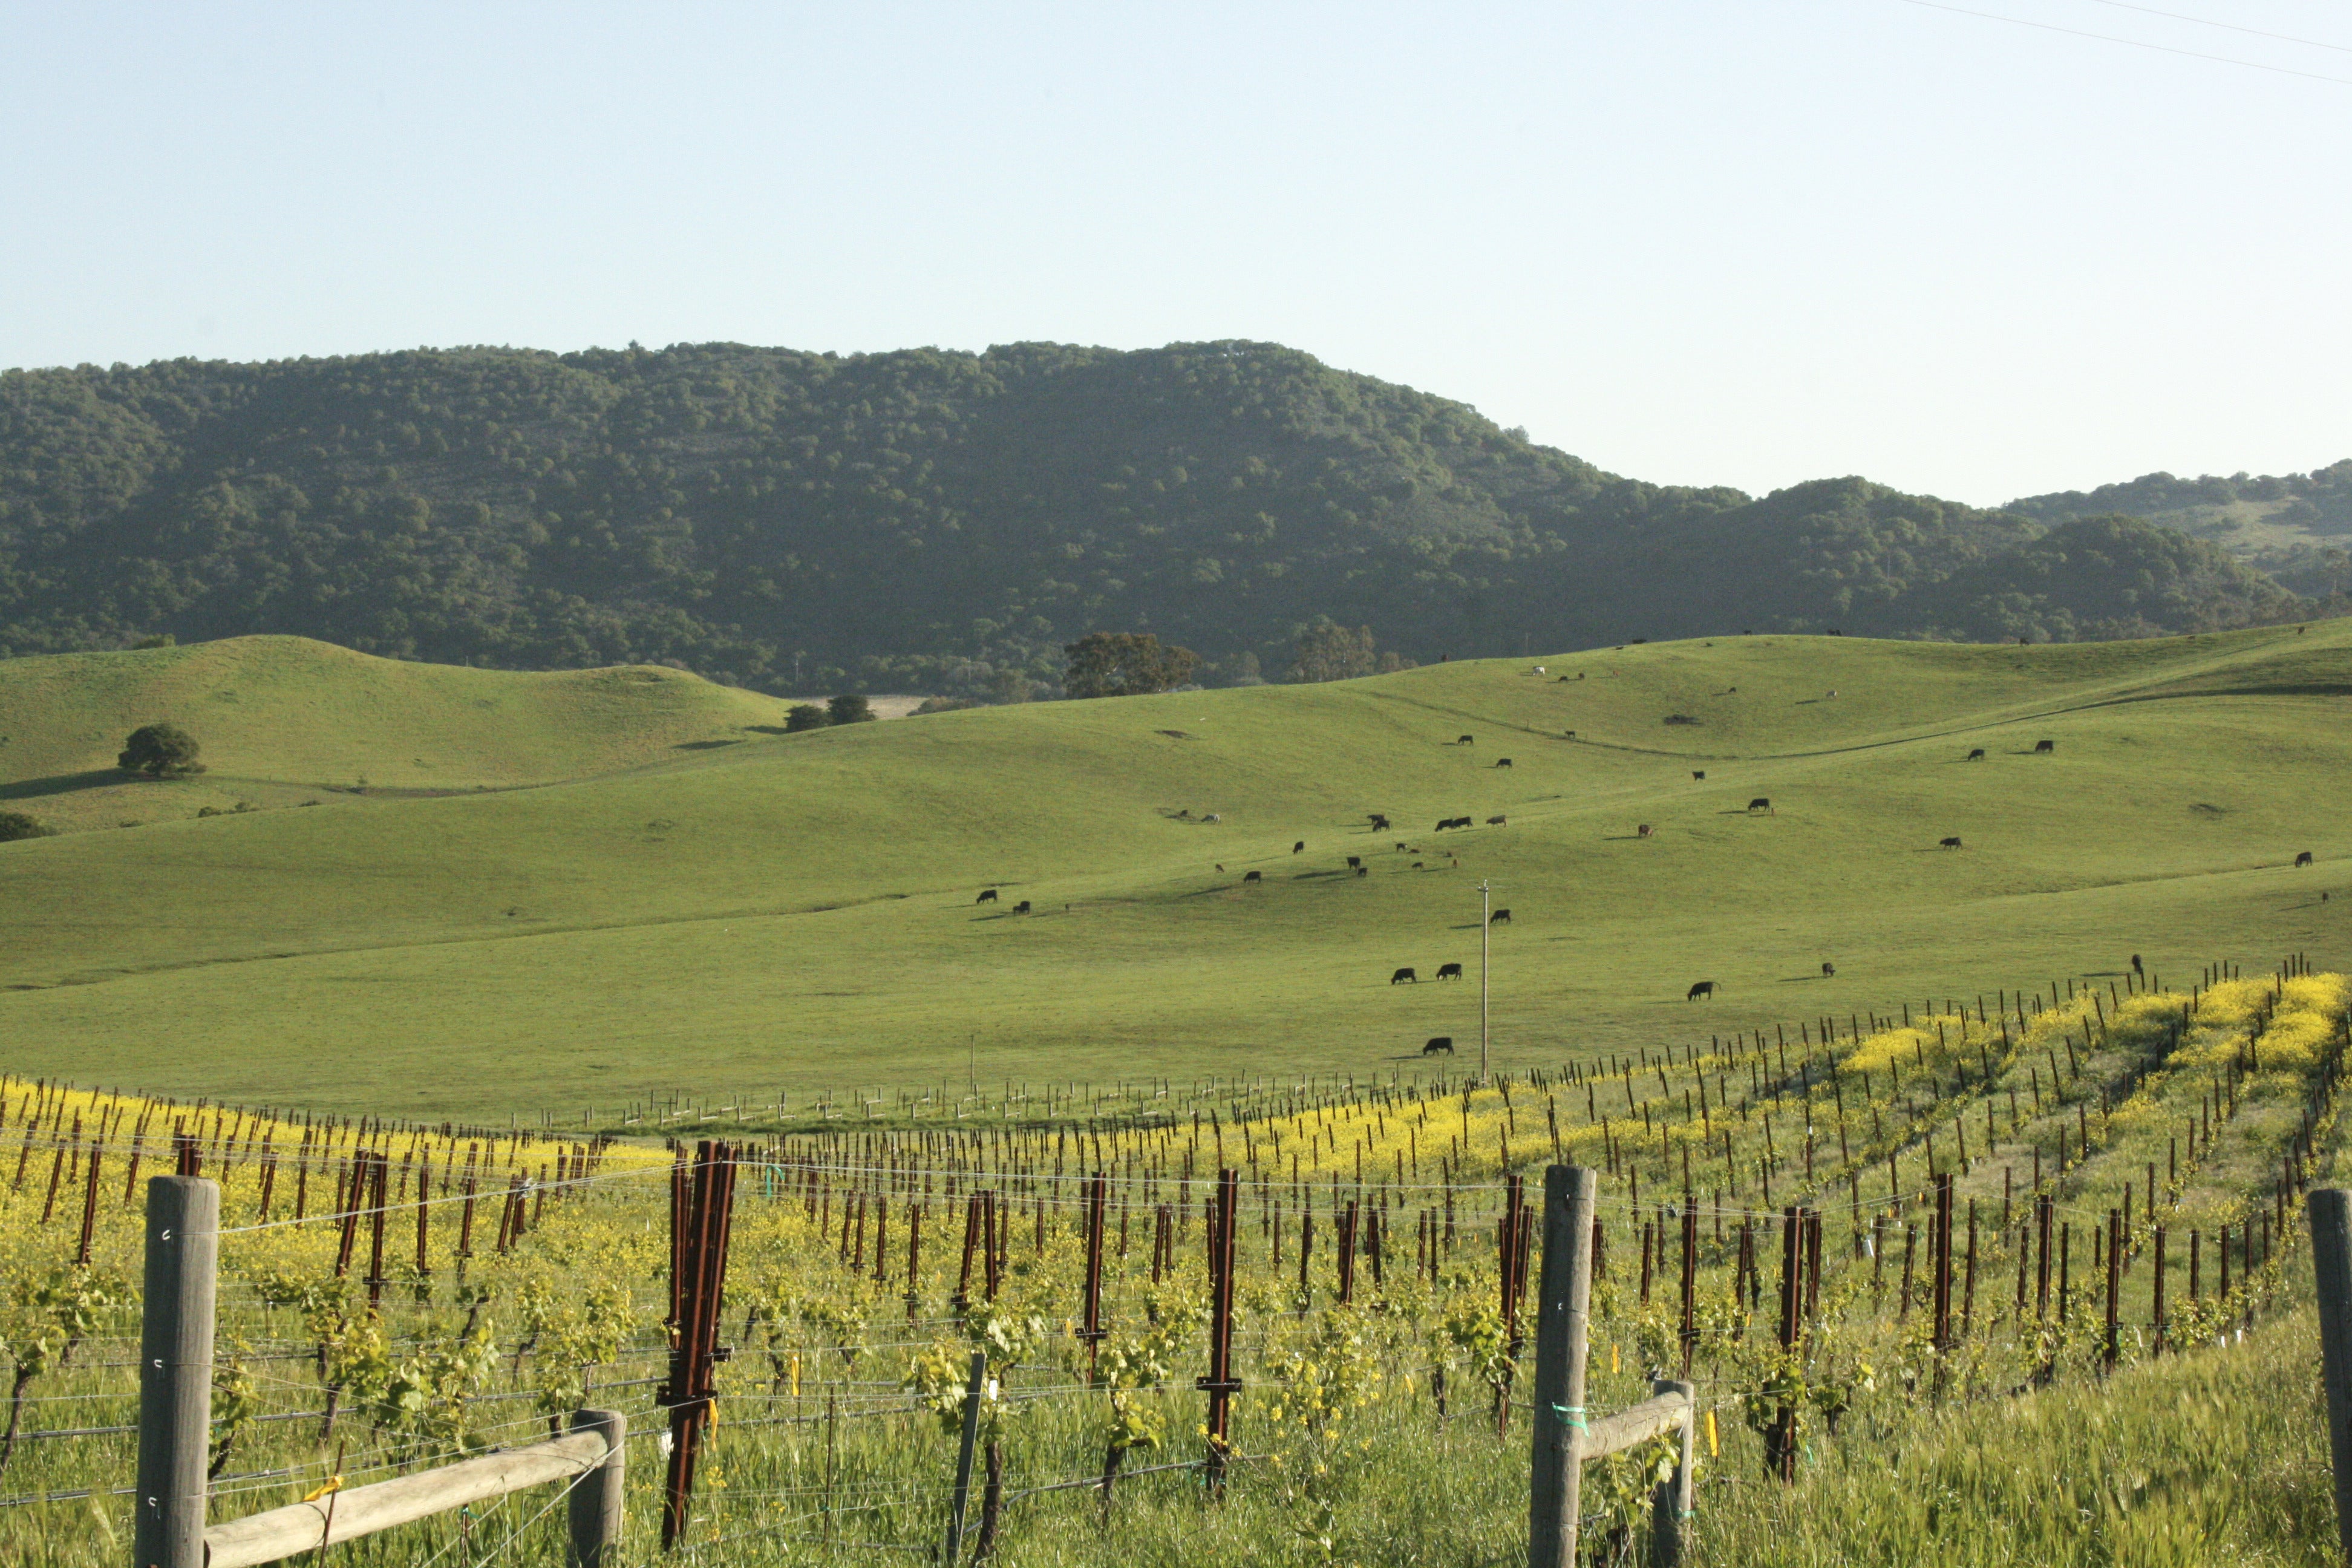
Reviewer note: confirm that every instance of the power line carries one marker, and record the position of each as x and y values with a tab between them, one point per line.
2228	27
2133	43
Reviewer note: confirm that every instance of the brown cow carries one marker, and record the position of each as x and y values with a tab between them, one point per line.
1644	830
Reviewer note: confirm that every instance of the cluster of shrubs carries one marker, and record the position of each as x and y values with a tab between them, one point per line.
847	709
15	824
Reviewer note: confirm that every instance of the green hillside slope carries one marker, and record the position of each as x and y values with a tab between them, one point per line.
940	522
284	720
790	911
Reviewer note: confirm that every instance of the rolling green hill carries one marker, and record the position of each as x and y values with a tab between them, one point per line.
283	721
941	521
795	912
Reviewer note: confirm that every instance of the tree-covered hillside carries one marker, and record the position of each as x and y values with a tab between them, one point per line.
2293	527
789	521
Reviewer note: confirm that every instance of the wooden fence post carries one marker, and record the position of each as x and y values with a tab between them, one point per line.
1563	1308
1670	1503
175	1371
595	1499
972	1391
2330	1209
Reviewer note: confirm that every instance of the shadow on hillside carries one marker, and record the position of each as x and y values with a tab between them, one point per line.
703	745
62	784
767	728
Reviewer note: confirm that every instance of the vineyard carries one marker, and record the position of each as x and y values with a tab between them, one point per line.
2007	1275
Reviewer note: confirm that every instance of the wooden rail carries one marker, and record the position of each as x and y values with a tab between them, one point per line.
346	1516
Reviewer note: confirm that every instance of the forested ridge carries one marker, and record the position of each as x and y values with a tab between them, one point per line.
794	522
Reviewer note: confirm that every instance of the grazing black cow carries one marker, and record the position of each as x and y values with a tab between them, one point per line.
2135	965
1403	976
1571	734
1497	821
1460	822
1977	755
1502	762
1498	917
2304	859
1761	803
1829	971
1379	823
1363	870
1355	862
1253	876
2044	747
1704	988
1402	845
1449	972
1438	1043
1644	831
1949	844
987	896
1697	774
1467	740
1021	908
1442	823
1417	865
1299	847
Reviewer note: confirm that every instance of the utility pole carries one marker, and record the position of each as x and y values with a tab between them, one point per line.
1485	927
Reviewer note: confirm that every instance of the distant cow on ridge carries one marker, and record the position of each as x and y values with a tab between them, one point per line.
1467	740
1021	908
1449	972
1829	971
1379	823
1761	803
2304	859
1499	917
1438	1043
1949	844
1402	975
987	896
1502	762
2039	747
1300	848
1253	876
1704	988
1497	821
1977	755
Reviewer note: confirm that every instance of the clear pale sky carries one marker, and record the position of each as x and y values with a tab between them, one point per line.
1692	241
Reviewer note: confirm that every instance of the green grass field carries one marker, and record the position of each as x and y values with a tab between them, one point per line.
652	891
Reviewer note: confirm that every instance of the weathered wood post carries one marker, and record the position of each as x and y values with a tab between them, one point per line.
595	1502
973	1388
175	1371
2330	1209
1670	1503
1555	1483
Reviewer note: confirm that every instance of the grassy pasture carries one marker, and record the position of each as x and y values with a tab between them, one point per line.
795	912
284	720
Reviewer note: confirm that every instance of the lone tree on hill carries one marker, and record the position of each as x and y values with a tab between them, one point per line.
849	707
160	751
15	824
1124	664
803	715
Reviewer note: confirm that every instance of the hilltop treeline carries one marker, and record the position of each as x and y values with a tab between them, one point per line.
790	521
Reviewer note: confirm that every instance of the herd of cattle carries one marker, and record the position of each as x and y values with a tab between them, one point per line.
1408	975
